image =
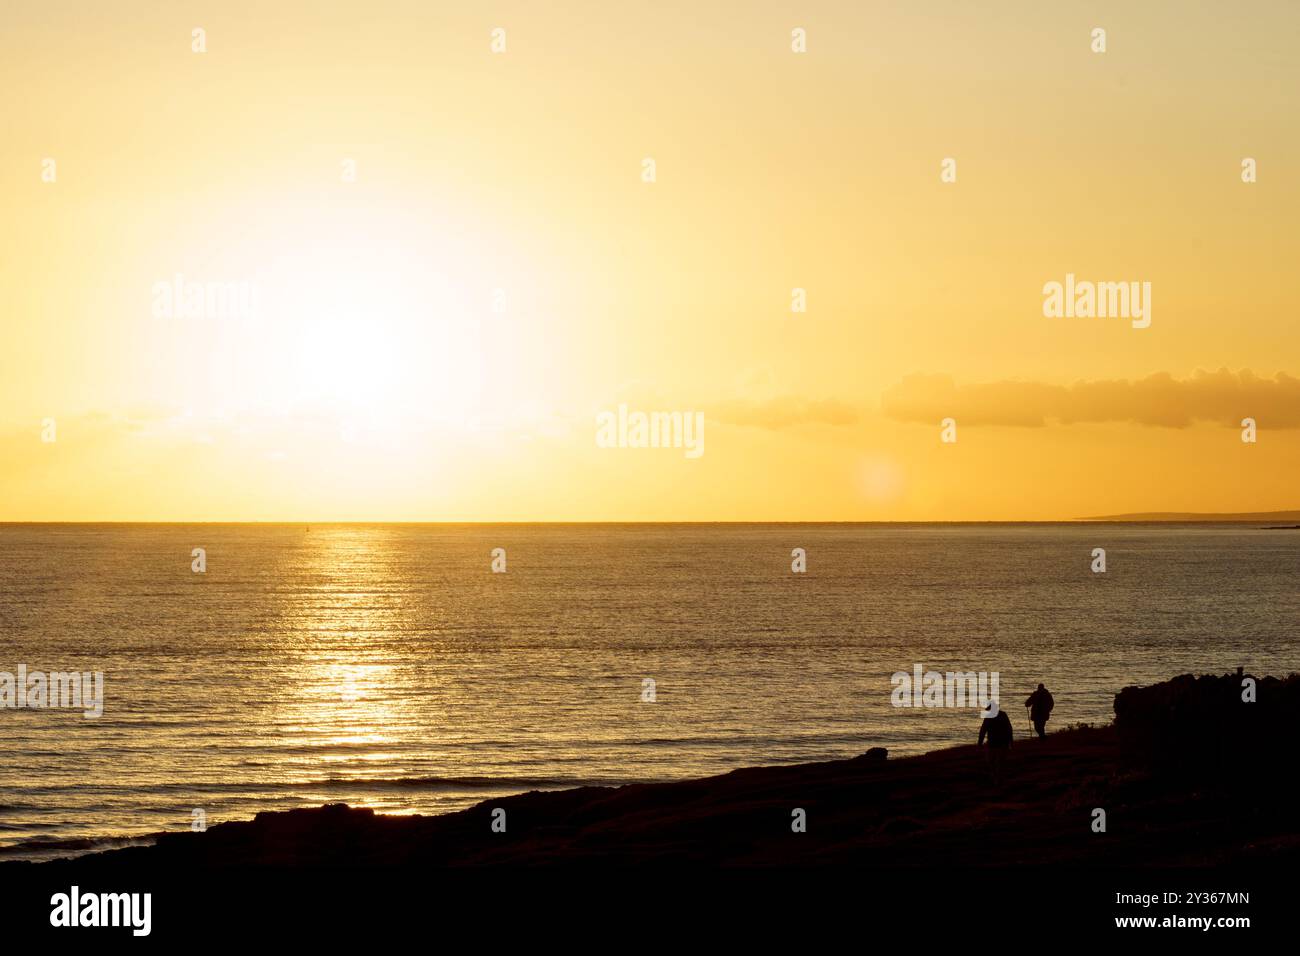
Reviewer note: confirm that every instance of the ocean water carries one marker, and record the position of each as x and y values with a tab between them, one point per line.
387	666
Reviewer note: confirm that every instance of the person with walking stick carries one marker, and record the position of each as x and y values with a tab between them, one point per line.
1040	704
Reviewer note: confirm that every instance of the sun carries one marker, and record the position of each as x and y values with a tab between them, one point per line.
372	318
364	330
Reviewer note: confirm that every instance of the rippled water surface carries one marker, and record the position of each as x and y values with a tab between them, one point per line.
386	666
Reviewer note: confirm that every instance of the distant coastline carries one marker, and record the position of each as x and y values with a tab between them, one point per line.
1247	517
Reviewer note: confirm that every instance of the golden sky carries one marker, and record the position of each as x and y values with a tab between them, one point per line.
435	340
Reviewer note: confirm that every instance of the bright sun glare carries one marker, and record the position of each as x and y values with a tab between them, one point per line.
366	331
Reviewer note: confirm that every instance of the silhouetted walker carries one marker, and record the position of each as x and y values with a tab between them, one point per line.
1040	704
998	730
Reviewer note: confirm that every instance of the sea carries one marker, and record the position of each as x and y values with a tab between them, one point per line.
255	667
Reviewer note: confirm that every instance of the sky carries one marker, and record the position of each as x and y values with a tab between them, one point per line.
425	267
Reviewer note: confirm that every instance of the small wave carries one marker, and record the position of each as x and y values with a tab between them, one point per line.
465	783
269	787
428	783
40	848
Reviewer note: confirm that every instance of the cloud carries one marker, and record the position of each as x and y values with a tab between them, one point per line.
787	412
1221	397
